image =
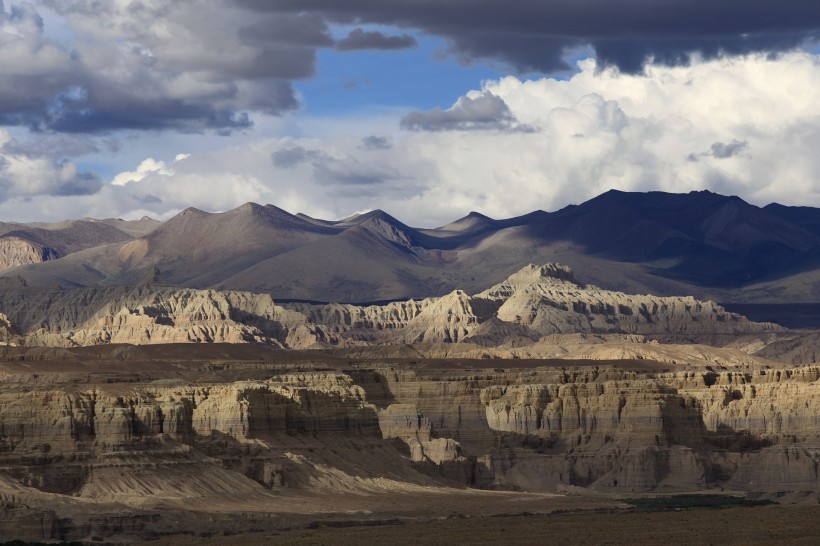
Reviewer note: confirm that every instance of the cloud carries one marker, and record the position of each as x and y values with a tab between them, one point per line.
375	142
91	67
25	173
532	35
292	156
337	170
600	129
149	166
349	171
720	150
481	111
362	39
153	64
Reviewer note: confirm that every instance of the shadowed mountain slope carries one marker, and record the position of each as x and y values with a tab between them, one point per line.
702	238
22	244
700	243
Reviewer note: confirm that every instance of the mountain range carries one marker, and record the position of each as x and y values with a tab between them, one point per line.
701	244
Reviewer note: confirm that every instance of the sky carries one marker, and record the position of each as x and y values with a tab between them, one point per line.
425	109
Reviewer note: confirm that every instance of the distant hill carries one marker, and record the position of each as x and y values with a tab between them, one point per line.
700	243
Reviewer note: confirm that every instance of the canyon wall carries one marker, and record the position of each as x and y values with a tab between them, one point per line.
540	429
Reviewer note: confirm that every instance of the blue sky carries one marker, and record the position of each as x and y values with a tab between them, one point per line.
428	113
422	77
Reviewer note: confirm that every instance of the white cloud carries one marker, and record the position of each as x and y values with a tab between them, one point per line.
748	126
148	167
27	172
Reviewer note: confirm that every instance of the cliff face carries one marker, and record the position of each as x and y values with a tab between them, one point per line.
530	304
540	429
152	314
66	439
752	430
15	251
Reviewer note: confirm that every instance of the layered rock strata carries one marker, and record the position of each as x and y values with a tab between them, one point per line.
531	304
15	251
542	429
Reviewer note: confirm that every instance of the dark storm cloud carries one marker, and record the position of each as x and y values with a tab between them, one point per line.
533	35
362	39
309	30
162	114
212	65
483	112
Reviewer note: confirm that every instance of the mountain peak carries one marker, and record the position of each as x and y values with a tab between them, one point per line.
193	211
549	274
477	215
472	222
250	206
550	270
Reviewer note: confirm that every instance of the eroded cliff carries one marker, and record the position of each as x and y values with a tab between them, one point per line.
536	429
173	429
531	304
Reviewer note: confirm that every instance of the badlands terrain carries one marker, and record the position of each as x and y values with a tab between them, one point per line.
239	377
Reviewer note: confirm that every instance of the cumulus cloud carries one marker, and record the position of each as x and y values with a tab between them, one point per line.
533	35
25	173
476	111
359	38
214	64
148	166
151	64
36	72
600	129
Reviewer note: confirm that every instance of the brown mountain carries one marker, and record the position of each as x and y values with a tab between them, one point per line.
699	243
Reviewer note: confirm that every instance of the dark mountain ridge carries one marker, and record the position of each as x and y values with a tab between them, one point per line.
699	243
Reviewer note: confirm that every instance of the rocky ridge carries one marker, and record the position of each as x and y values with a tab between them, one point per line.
15	251
707	245
532	303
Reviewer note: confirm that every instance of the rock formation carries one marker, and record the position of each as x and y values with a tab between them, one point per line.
154	314
16	251
602	428
107	431
532	303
